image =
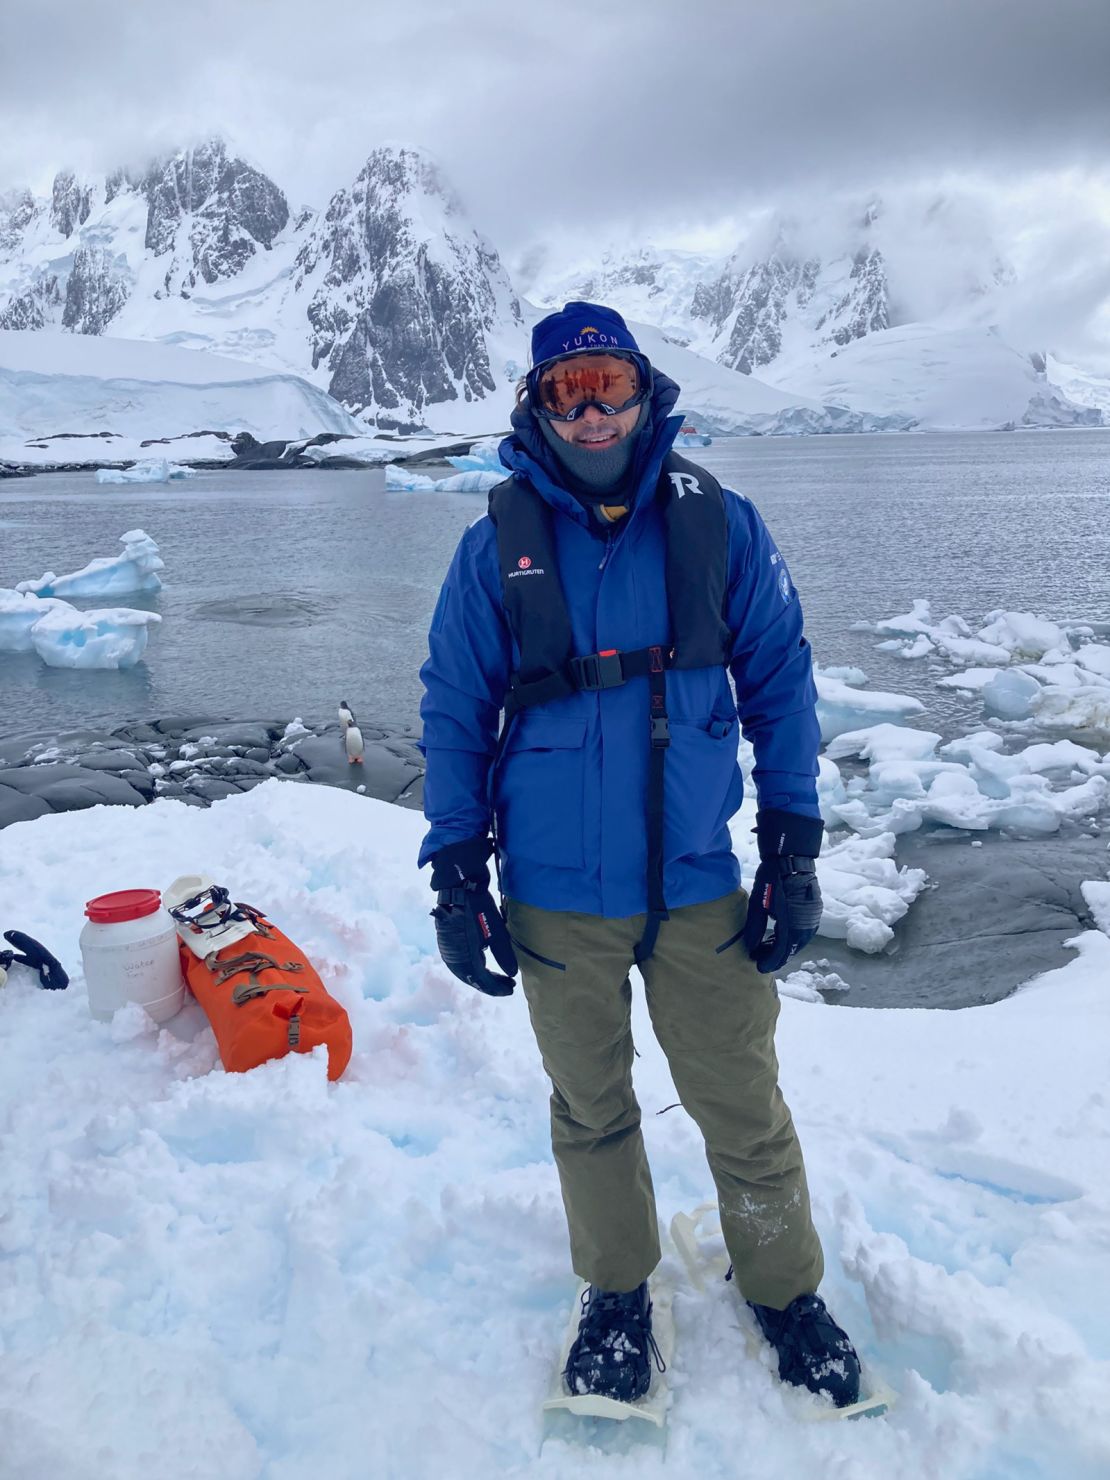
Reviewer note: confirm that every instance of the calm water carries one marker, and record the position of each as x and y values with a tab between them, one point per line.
287	591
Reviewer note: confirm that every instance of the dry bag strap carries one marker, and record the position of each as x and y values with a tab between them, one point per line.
252	964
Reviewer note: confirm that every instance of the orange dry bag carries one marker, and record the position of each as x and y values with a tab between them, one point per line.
261	994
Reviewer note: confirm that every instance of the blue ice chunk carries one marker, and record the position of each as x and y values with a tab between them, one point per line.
111	637
136	569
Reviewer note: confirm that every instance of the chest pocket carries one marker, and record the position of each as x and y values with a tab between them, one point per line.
540	790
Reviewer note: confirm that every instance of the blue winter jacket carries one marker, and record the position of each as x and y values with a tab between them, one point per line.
571	784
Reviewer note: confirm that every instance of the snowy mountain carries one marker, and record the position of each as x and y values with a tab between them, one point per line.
828	306
408	306
388	299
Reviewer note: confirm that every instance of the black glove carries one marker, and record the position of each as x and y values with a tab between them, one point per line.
467	920
785	888
30	953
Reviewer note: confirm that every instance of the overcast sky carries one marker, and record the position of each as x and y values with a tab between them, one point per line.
568	116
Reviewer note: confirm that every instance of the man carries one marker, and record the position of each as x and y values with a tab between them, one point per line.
602	605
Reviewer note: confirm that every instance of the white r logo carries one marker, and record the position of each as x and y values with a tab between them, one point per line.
685	483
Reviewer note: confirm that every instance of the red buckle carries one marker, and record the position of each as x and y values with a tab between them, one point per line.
655	660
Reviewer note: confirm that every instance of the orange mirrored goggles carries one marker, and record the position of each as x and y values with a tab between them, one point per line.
560	390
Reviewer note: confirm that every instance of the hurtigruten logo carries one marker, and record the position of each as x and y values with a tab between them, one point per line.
524	567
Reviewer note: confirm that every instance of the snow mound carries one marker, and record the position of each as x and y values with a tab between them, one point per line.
111	575
156	470
109	637
173	1231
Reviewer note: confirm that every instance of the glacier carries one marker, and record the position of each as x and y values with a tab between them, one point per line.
136	569
119	394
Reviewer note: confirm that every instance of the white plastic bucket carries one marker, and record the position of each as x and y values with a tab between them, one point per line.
129	949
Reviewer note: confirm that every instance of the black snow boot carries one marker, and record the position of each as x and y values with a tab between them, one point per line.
611	1355
813	1351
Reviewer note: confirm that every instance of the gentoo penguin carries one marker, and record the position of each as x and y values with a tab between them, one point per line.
346	716
353	741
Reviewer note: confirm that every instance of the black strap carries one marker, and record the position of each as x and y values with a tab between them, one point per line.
657	759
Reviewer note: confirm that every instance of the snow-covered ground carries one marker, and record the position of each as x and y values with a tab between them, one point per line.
53	386
239	1277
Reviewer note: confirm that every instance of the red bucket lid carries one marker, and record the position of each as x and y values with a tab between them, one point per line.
124	904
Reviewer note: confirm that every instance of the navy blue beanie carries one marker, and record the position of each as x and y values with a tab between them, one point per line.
579	327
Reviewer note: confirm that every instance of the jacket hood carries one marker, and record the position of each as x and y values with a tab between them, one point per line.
524	451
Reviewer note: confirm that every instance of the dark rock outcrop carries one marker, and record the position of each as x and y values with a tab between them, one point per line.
197	761
408	295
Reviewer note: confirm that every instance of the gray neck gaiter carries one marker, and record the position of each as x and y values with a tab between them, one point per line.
595	475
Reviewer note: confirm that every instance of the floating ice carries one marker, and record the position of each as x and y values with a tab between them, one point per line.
403	480
841	706
156	470
1026	668
483	457
111	575
974	786
113	637
19	611
1011	694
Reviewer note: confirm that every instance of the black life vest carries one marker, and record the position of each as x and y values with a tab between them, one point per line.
696	529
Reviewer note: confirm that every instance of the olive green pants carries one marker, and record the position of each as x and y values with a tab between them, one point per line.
714	1016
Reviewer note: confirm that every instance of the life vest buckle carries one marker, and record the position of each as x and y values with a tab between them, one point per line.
598	671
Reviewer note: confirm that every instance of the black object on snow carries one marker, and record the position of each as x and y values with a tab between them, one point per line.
29	952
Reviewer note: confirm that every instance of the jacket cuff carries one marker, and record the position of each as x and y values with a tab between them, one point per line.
461	863
782	833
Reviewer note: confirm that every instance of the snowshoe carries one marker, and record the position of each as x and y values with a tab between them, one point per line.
697	1237
615	1355
813	1351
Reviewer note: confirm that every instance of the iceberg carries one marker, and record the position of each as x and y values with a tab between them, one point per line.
476	480
156	470
19	611
1011	694
841	708
111	575
483	457
111	637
